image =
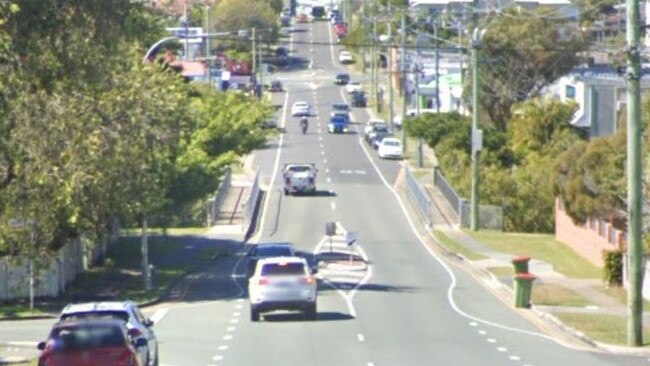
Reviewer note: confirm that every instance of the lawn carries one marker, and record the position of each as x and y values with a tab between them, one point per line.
620	294
556	295
455	247
604	328
540	246
502	272
120	276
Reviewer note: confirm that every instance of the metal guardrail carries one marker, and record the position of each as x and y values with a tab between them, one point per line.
450	194
219	197
419	196
251	202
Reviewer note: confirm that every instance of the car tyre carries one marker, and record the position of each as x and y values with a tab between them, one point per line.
286	192
255	314
311	313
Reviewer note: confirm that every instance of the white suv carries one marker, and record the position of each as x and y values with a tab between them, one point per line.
282	283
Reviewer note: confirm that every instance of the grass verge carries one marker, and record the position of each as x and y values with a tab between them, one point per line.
501	272
120	276
620	294
604	328
556	295
455	247
540	246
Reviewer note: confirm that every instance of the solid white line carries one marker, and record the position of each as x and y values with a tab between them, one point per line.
158	315
454	281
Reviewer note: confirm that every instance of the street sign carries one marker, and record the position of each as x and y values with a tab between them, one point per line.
193	34
351	238
330	228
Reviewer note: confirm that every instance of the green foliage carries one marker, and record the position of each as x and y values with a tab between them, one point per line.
235	15
522	55
91	134
613	267
590	177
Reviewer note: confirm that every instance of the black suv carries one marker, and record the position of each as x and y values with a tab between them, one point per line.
359	99
341	79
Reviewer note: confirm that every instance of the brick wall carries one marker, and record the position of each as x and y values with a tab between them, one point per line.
588	239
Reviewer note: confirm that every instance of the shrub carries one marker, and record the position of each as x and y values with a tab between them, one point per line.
613	267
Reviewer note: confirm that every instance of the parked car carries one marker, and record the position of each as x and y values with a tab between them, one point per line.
352	87
390	147
269	123
97	342
283	283
341	79
345	57
378	138
269	250
359	99
374	123
281	52
302	18
276	86
300	108
126	311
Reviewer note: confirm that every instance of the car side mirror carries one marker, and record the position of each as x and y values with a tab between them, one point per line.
41	346
140	342
148	323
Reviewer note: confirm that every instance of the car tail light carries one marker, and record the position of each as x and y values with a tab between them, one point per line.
264	281
309	279
127	358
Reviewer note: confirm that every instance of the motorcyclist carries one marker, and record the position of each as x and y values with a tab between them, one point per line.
304	123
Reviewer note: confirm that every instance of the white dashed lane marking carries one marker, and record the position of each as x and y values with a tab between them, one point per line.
360	337
333	205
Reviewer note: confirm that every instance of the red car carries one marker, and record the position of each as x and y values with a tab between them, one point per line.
105	342
341	30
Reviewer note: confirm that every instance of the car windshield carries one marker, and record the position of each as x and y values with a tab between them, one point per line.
121	315
283	269
87	336
299	168
274	251
340	107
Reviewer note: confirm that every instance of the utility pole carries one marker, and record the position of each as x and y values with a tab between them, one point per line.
390	69
254	54
476	45
261	69
417	113
207	44
435	34
403	70
363	36
187	31
634	176
373	63
146	270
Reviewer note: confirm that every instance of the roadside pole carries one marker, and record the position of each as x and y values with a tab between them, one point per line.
417	113
390	69
435	33
254	54
403	84
207	44
146	270
476	111
187	36
634	177
373	64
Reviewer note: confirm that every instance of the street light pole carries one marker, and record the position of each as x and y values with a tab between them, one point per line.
207	43
390	69
476	110
403	70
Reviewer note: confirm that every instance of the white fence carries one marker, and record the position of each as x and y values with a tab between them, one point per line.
51	275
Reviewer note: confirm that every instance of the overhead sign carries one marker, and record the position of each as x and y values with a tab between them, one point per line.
192	34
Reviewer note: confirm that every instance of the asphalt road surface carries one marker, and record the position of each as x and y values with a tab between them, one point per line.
413	309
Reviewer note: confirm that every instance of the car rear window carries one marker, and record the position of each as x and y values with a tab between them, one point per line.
274	252
121	315
87	336
299	169
281	269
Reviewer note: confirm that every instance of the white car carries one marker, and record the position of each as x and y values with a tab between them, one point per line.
282	283
299	178
345	57
372	123
390	147
353	86
300	109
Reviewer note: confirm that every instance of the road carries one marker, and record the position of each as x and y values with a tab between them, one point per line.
414	308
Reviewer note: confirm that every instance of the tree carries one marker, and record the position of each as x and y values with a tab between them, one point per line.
235	15
520	56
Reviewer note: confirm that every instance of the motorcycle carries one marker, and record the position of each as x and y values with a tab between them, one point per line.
304	124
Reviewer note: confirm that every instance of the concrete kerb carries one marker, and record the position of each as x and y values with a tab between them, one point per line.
540	315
